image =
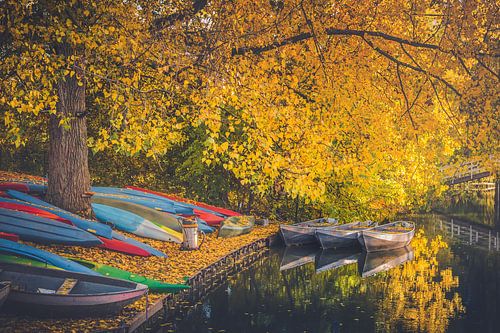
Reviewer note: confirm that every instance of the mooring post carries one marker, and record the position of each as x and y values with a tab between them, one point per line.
489	240
498	243
477	236
470	234
451	228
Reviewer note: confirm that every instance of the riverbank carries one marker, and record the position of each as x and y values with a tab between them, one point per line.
176	268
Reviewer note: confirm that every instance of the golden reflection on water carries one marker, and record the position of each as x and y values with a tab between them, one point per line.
418	295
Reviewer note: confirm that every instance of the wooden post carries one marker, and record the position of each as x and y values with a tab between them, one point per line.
489	240
497	202
470	234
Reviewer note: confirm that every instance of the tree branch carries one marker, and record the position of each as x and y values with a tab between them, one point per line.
169	20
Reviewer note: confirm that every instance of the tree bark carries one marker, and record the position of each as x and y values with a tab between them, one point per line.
68	174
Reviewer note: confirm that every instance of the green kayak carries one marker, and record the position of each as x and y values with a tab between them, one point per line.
154	285
236	225
11	259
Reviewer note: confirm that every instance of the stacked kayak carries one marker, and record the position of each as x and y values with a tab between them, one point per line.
42	230
129	222
236	225
117	273
56	292
12	259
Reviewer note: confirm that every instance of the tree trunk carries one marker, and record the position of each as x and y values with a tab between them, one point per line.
68	175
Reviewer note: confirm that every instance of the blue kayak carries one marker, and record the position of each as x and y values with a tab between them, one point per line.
37	229
10	247
84	224
143	246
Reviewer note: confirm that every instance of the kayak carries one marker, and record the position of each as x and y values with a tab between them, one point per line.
32	210
199	205
58	293
84	224
9	247
24	187
135	224
11	237
236	225
145	247
123	247
42	230
117	273
12	259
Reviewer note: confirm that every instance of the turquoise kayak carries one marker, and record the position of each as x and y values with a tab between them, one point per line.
84	224
31	252
129	222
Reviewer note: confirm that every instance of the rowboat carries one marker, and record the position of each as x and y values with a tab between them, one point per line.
371	263
131	241
297	256
4	292
117	273
13	248
135	224
331	259
345	235
304	232
84	224
37	290
41	230
387	237
236	225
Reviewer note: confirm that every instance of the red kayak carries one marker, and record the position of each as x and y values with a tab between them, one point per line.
211	219
14	186
120	246
11	237
33	211
223	211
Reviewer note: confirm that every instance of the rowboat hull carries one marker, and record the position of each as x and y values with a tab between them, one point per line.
4	292
34	291
343	236
371	263
373	240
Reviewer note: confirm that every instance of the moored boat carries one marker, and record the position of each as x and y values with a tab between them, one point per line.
236	225
55	292
387	236
117	273
345	235
371	263
304	232
4	291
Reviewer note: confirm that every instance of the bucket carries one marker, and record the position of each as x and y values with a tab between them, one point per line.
190	233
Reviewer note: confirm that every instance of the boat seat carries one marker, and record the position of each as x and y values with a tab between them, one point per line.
66	286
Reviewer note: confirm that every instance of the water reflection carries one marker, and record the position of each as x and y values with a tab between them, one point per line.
437	285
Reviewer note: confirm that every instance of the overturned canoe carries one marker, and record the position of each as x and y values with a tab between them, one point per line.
42	230
8	247
387	236
331	259
94	227
53	292
144	246
304	232
236	225
345	235
4	292
371	263
117	273
135	224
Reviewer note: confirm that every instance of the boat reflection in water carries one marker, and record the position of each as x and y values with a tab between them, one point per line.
295	256
331	259
371	263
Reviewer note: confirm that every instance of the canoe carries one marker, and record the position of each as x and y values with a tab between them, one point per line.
332	258
180	208
84	224
371	263
210	219
199	205
135	224
32	210
117	273
41	230
4	292
146	247
151	203
387	236
345	235
157	217
8	247
12	259
304	232
123	247
37	290
296	256
11	237
235	226
25	187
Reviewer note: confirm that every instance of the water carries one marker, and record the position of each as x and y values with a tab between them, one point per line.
441	283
